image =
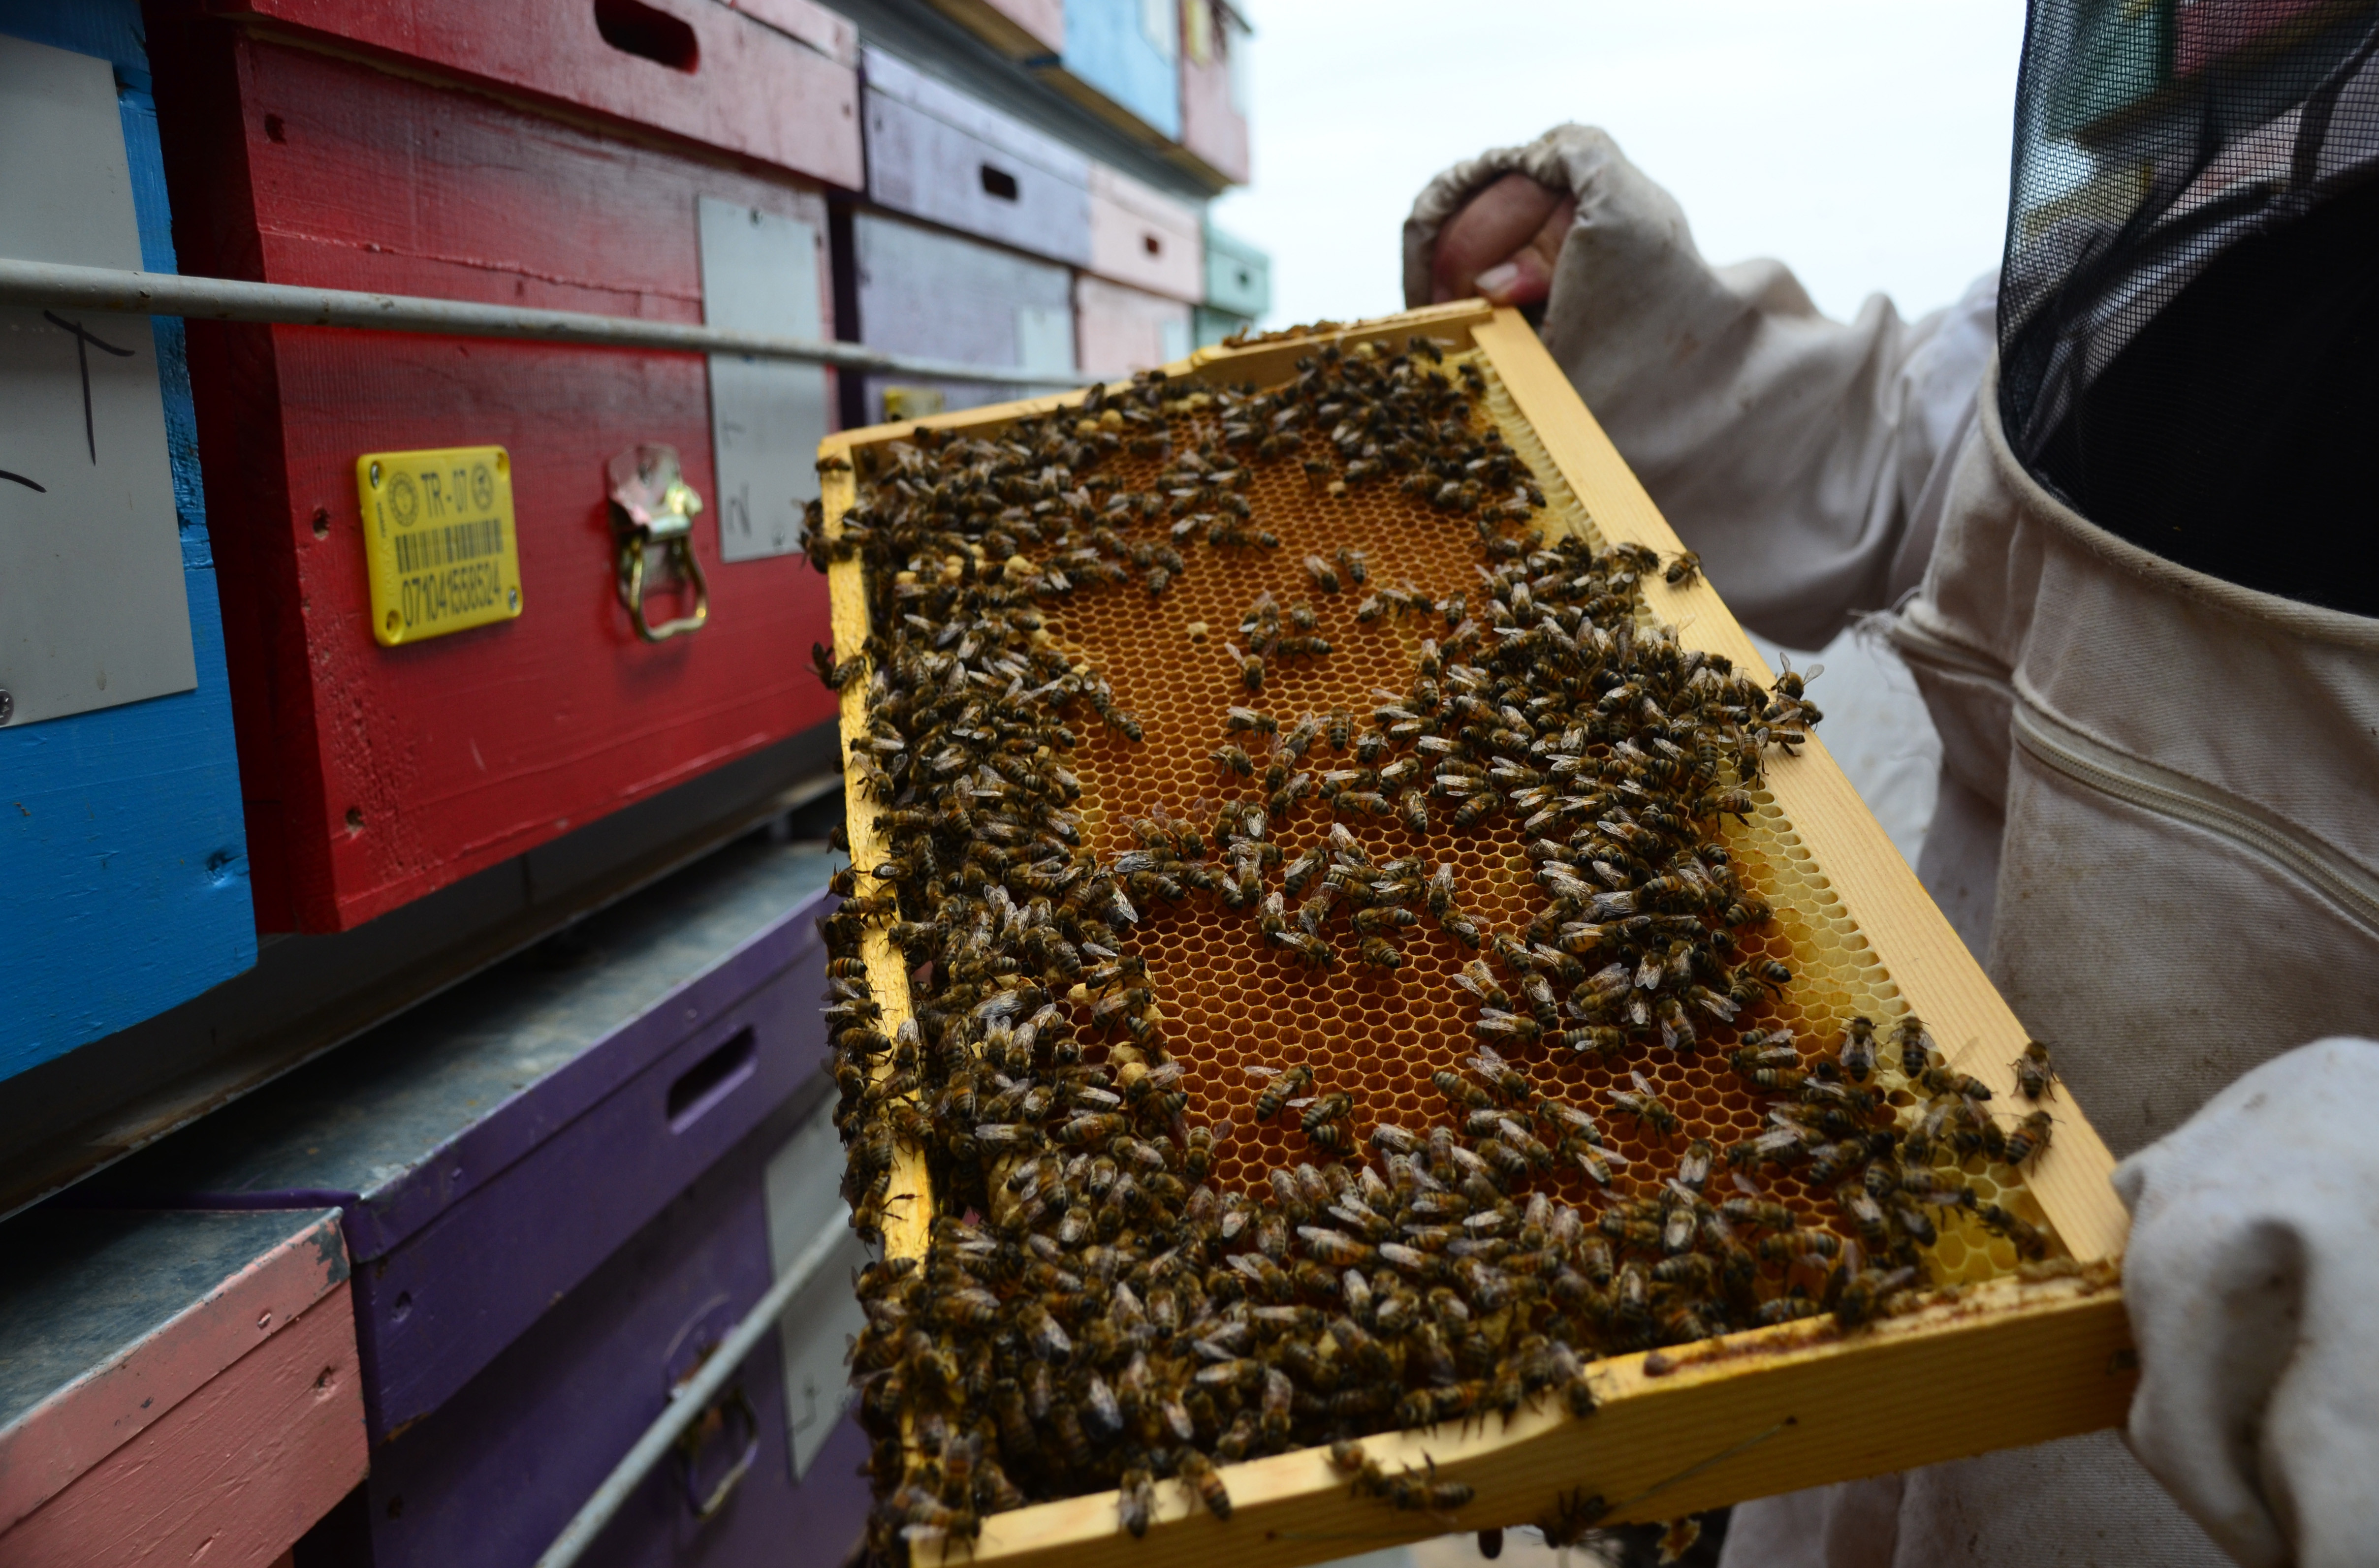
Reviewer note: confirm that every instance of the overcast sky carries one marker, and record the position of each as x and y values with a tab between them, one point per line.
1863	142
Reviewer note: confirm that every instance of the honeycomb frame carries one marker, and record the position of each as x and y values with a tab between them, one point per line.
1842	893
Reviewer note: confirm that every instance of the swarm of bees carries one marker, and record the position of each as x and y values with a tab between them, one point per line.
1091	1311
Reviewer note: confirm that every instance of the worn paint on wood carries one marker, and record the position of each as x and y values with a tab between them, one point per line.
1119	60
233	1474
121	842
1021	29
172	1383
1145	238
1213	127
492	1147
770	80
924	292
108	1322
936	153
374	775
1119	330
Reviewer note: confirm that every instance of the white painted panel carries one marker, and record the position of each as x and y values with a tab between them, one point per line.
760	275
1044	341
804	1192
93	612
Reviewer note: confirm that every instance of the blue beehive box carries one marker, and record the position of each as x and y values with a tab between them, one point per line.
121	842
1122	60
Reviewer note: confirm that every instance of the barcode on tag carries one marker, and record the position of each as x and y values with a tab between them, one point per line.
434	547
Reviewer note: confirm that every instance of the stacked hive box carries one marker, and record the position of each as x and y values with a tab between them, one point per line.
120	844
560	1182
436	710
619	159
986	198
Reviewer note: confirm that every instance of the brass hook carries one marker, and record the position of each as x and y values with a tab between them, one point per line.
653	507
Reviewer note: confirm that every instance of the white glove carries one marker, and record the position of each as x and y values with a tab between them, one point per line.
1792	451
2252	1283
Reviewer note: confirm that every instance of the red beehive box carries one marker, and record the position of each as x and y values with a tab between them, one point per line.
565	155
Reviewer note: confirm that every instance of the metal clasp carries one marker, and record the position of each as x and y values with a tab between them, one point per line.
652	511
719	1418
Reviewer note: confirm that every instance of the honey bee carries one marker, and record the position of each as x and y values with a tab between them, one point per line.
1335	1107
1354	566
1683	567
1200	1479
1413	807
1424	1492
1346	1457
1915	1045
2030	1137
1938	1080
2035	1077
1645	1104
1324	577
1858	1050
1251	668
1233	759
1136	1500
1283	1084
1317	953
1515	1029
1340	729
1379	953
1574	1513
1463	1094
1236	720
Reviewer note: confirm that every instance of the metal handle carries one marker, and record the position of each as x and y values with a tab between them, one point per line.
689	1448
632	585
652	505
692	1397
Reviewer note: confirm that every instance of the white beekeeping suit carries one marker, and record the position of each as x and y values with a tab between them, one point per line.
2159	824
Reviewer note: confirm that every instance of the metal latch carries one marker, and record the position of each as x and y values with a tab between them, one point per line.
652	511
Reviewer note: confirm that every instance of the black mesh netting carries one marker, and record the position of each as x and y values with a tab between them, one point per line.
2188	309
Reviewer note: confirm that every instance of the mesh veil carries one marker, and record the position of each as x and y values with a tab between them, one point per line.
2189	303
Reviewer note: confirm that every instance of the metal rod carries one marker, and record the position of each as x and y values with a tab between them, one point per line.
690	1399
50	286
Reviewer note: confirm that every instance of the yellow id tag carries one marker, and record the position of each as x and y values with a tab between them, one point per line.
437	536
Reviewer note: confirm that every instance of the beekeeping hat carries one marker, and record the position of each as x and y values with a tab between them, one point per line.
2165	143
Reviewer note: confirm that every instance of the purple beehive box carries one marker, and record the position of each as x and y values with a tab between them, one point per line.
491	1148
492	1477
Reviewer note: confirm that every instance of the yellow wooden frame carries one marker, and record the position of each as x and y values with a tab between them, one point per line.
1770	1410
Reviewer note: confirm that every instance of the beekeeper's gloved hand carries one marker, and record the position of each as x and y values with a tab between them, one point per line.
1792	451
1502	243
2253	1283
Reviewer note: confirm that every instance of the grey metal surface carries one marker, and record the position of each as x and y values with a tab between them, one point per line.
93	612
760	272
49	286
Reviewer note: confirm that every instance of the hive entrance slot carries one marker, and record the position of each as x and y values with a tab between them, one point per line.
649	34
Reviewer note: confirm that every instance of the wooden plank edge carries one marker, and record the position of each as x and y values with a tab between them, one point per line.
1914	942
77	1426
907	1217
1757	1414
1005	35
1213	366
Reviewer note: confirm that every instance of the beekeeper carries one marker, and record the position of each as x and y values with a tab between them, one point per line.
2123	504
